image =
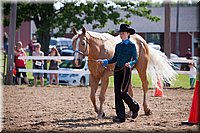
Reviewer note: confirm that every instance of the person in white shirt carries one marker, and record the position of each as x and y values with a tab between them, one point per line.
192	75
38	64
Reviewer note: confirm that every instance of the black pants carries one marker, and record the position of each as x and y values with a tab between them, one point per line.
18	74
122	79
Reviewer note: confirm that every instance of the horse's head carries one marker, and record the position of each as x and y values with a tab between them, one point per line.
80	45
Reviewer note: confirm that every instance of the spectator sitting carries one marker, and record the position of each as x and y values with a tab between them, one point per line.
188	54
31	45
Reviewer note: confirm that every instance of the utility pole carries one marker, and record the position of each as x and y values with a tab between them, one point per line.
177	29
12	28
167	36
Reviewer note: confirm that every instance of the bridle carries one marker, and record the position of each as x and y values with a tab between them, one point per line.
85	52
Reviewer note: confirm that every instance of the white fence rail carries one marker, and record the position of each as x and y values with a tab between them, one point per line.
54	71
75	71
46	57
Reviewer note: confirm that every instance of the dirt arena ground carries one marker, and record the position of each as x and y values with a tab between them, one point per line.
68	109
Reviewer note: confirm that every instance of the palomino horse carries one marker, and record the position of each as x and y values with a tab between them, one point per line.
102	46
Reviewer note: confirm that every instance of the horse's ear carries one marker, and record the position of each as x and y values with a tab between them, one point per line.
83	30
74	30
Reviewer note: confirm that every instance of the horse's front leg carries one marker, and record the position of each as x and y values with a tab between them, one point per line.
104	86
94	86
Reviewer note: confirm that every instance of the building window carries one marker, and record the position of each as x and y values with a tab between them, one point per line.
154	38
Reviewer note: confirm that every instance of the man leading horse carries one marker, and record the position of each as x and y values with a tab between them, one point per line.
102	46
125	57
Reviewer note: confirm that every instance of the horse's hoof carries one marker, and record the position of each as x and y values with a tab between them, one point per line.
128	114
101	116
148	112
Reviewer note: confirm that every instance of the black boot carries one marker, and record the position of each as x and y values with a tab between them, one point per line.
117	119
135	111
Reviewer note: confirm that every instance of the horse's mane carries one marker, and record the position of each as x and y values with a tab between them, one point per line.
101	36
96	35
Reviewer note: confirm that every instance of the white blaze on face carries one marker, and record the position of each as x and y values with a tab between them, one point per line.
76	53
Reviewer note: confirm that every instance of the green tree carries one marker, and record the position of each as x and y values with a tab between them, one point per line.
41	13
47	17
98	13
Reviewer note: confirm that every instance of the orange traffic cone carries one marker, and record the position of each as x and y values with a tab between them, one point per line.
194	117
159	89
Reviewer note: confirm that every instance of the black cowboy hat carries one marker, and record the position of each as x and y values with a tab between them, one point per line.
126	28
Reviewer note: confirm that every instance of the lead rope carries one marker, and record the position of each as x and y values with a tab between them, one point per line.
107	67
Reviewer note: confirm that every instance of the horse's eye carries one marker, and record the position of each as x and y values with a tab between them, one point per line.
84	42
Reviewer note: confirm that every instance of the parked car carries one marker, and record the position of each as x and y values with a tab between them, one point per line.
80	76
75	79
67	52
182	64
60	43
155	46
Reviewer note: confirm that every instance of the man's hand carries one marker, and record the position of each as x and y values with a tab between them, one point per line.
128	65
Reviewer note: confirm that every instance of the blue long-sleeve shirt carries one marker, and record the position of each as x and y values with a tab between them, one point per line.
125	52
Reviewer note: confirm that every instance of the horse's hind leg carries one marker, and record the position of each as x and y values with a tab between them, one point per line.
145	89
104	85
130	91
143	77
94	86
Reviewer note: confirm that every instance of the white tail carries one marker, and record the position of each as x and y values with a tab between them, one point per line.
159	68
